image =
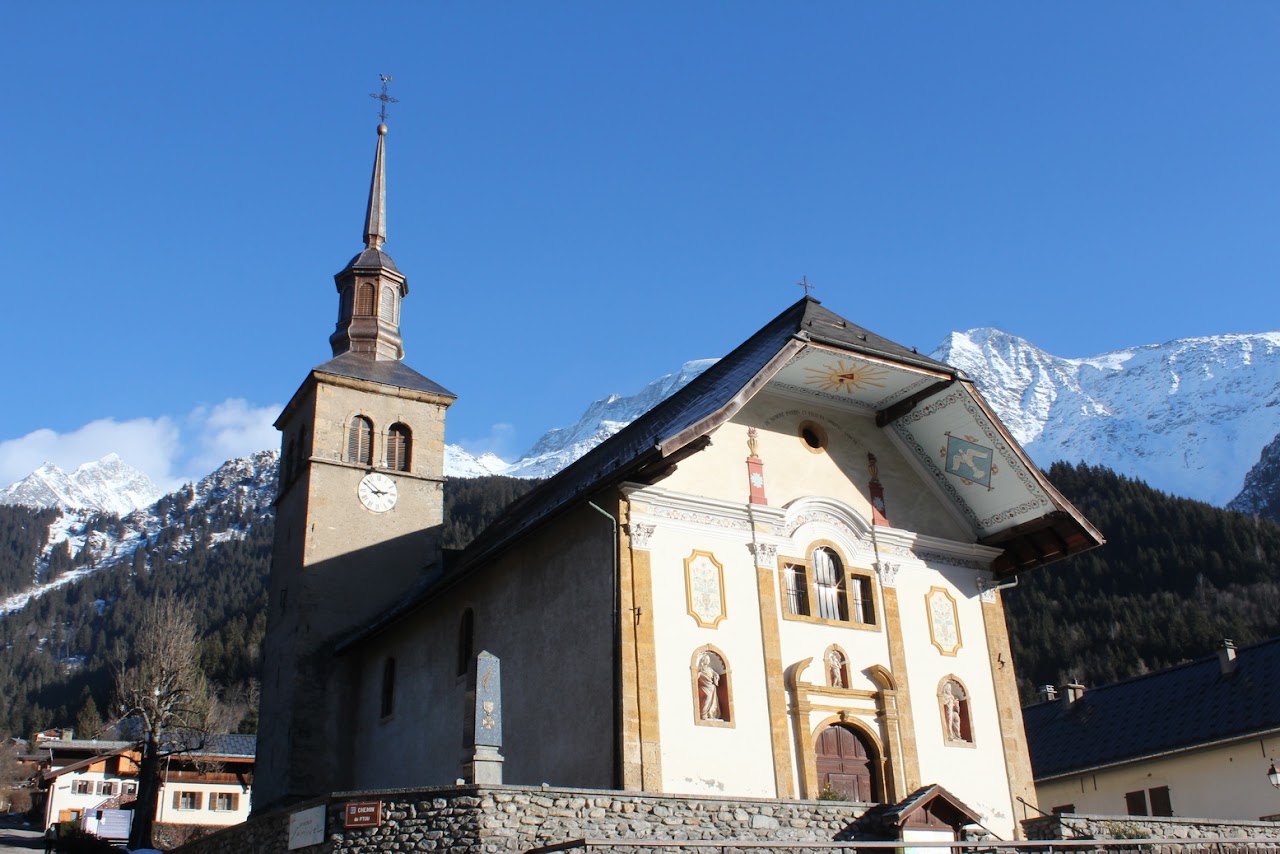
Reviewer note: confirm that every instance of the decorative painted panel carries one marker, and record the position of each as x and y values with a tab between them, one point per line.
704	588
944	628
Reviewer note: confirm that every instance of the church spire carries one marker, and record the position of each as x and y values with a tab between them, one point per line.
375	220
370	288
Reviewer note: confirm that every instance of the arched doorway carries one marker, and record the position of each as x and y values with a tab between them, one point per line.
846	763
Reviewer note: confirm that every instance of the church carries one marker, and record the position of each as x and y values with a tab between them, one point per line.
784	581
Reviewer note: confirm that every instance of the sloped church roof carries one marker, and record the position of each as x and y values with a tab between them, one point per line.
810	349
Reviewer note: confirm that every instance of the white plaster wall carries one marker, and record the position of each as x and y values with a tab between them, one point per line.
62	794
976	774
1229	781
735	760
792	471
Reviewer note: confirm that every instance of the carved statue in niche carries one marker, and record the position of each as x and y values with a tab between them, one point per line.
951	696
708	689
835	668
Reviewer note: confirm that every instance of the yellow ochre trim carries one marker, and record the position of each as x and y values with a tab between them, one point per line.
1013	737
775	687
898	668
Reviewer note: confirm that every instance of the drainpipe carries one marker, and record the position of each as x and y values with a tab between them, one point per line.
618	780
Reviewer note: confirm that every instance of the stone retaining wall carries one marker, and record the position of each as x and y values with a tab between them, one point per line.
489	820
1073	826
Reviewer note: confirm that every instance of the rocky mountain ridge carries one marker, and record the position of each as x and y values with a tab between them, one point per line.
108	485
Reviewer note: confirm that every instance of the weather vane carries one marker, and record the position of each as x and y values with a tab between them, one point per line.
384	97
804	283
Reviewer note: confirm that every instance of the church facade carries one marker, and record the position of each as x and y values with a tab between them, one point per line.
784	581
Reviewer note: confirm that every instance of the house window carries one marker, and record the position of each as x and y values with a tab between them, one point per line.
360	440
82	787
813	436
711	695
187	800
107	787
388	686
399	440
344	305
224	801
829	581
797	581
1064	809
364	300
1136	802
130	788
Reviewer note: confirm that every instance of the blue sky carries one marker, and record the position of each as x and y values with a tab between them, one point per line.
586	195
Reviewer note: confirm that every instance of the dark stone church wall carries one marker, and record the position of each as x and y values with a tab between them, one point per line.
545	609
497	820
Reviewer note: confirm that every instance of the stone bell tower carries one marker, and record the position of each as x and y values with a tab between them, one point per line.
358	513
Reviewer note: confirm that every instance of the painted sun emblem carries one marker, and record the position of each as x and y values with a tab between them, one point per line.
846	377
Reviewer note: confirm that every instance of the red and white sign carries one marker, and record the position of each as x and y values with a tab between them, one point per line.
364	814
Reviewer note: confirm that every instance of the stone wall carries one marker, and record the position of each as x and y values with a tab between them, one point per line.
1073	826
490	820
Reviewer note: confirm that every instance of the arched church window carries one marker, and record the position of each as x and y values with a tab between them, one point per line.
837	667
344	305
364	299
466	641
399	444
388	686
387	305
360	440
711	690
829	584
953	703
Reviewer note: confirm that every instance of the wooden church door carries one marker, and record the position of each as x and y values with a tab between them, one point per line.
845	764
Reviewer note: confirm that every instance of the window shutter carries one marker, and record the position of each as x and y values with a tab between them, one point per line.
176	799
1160	803
199	798
387	306
364	300
235	800
1136	802
360	440
398	443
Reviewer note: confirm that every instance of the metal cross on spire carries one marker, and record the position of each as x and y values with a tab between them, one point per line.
384	97
804	283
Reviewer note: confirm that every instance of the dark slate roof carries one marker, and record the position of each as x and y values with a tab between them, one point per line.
635	446
1185	706
368	258
229	745
363	366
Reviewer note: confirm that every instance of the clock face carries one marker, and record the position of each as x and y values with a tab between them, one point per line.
377	492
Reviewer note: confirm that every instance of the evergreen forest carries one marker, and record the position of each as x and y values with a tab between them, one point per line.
1175	577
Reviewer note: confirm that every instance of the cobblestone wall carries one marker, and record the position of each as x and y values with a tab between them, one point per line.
1073	826
509	819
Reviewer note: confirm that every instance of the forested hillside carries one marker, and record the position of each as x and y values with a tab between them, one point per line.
56	653
1174	578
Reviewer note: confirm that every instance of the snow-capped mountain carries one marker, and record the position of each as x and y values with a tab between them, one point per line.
560	446
108	485
1261	493
1190	416
223	505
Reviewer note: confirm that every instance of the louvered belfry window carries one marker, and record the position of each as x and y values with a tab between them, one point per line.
399	440
387	306
364	300
360	440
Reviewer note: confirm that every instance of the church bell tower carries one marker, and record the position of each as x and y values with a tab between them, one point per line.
358	512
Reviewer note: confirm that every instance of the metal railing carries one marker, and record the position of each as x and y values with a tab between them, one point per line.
1203	845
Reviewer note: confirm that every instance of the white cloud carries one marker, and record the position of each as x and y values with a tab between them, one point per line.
231	429
171	451
499	442
147	444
